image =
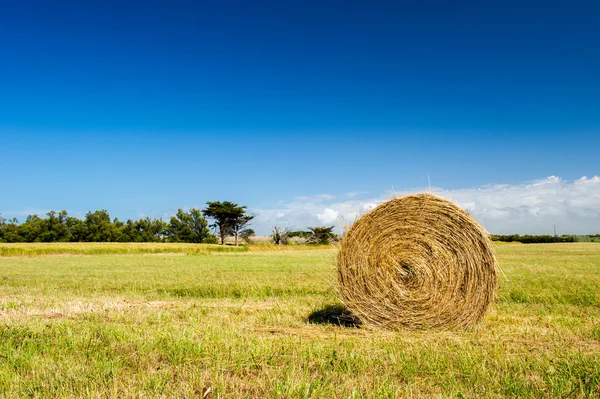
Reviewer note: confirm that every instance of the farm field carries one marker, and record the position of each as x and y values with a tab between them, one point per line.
167	322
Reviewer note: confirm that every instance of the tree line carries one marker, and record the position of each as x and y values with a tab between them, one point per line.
314	235
210	225
544	239
227	219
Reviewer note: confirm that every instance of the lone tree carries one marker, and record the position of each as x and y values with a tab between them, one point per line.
321	235
280	236
228	217
239	225
246	234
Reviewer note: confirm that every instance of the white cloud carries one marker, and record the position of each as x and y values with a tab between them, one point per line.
533	207
574	207
328	216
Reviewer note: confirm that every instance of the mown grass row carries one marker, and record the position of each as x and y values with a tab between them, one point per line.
94	248
78	248
270	247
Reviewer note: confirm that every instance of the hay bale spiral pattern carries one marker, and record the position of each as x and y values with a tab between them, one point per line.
416	262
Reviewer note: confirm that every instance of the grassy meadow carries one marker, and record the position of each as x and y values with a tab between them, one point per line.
164	321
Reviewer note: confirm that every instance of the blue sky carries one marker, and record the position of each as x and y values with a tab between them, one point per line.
144	107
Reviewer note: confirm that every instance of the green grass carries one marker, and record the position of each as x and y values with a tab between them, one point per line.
236	325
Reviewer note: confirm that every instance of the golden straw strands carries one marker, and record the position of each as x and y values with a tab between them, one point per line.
417	262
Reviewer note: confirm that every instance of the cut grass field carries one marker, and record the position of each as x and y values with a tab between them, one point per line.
264	324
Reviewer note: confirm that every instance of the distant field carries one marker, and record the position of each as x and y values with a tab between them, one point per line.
115	248
236	324
93	248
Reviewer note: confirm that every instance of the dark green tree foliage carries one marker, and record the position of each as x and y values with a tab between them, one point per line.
299	233
98	227
189	227
32	229
77	228
229	218
143	230
321	235
533	239
9	230
54	228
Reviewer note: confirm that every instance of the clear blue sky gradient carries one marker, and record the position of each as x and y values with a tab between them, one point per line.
144	107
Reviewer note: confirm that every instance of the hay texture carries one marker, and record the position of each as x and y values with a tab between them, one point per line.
417	262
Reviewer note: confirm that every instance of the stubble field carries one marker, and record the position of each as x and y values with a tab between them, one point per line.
263	324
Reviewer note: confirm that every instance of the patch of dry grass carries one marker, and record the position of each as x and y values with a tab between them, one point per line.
270	247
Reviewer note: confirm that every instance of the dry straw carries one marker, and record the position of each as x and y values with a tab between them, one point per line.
416	262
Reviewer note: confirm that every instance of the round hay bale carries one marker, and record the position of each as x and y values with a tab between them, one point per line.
417	262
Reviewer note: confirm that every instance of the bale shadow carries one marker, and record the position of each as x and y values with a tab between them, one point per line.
334	314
